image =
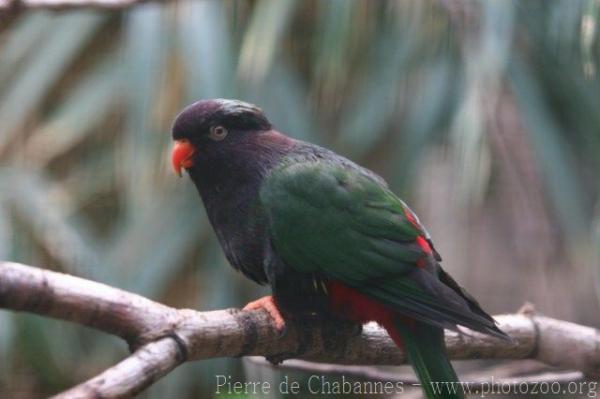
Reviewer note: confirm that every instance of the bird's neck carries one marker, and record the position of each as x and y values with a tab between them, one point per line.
230	184
229	187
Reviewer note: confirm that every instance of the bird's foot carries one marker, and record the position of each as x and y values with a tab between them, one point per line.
268	303
279	358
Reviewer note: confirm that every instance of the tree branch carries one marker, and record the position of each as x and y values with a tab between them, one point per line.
68	4
132	375
477	382
165	337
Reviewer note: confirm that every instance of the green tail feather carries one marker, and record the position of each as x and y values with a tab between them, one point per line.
424	345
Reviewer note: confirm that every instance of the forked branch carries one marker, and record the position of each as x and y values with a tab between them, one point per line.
162	337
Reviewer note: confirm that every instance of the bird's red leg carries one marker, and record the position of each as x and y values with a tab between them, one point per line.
268	303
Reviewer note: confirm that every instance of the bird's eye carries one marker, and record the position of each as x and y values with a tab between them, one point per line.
217	133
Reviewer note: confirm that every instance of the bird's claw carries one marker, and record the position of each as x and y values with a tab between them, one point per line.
279	357
268	303
283	332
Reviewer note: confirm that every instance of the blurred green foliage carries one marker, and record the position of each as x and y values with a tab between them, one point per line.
488	92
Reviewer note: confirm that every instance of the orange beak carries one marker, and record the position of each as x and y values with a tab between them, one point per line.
181	157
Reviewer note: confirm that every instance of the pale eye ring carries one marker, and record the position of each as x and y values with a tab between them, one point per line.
217	133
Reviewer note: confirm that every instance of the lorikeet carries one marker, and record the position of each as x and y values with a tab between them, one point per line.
327	235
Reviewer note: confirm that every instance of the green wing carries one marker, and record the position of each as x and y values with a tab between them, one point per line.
341	222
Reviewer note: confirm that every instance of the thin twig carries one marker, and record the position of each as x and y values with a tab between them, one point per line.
486	382
69	4
369	373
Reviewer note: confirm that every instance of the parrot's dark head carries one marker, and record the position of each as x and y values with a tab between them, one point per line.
211	130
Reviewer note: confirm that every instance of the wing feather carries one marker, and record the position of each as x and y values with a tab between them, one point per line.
340	222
